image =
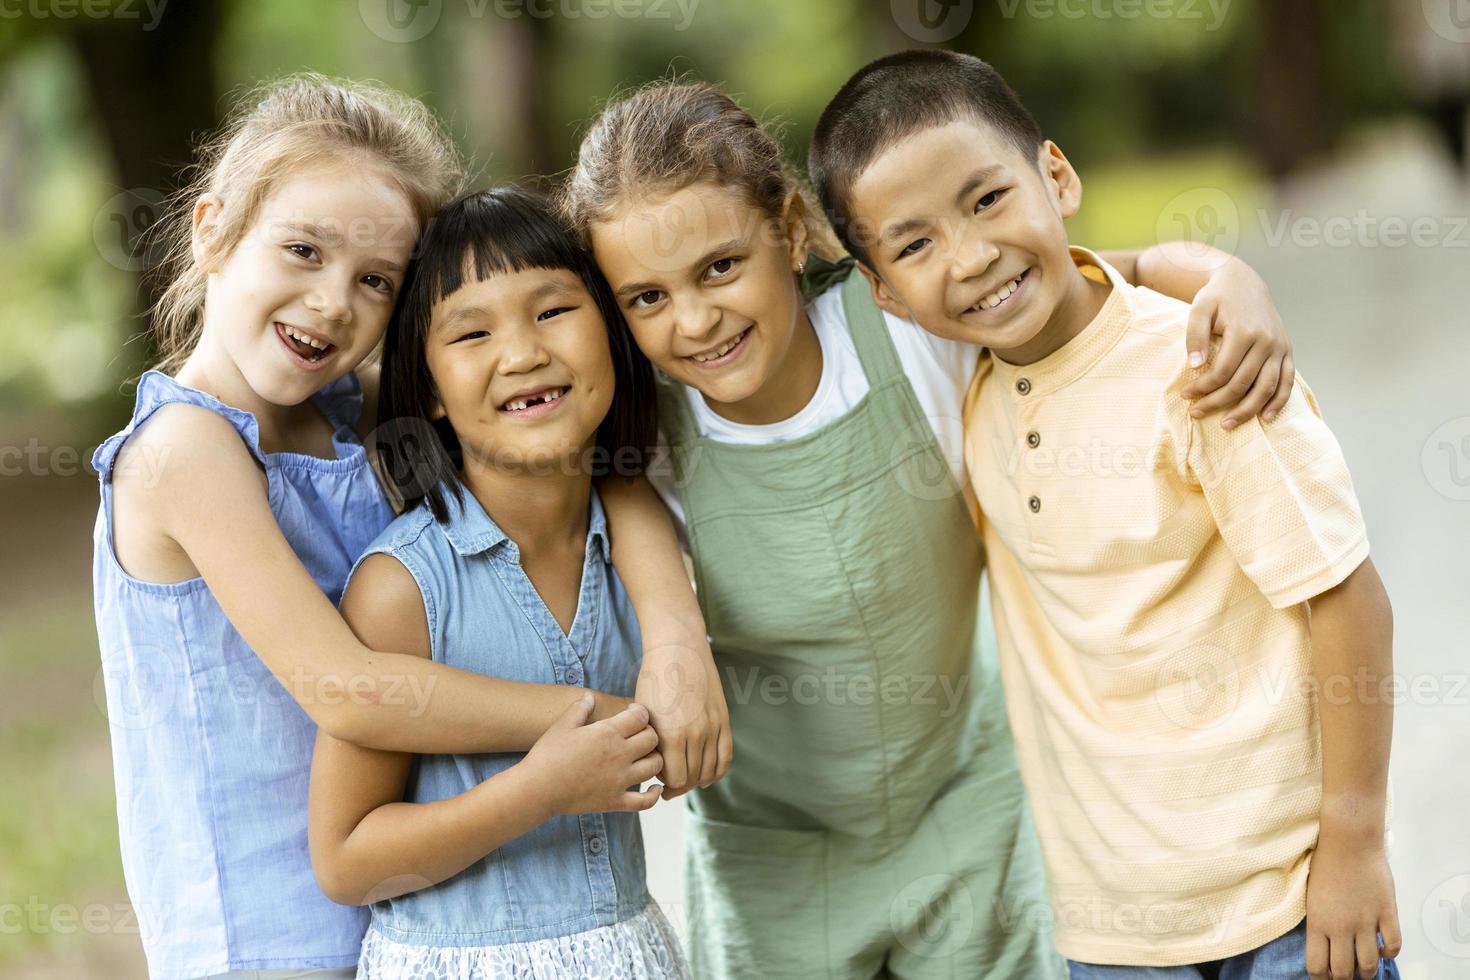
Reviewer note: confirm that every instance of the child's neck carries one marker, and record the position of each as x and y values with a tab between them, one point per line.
543	513
1081	302
791	386
283	428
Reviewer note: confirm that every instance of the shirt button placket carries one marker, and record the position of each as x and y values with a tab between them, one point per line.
1033	440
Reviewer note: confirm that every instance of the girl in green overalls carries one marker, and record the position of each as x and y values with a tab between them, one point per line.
873	822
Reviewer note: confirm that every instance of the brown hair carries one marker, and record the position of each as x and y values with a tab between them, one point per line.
671	134
271	133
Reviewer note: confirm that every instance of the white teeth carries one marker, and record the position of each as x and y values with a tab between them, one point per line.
720	351
1000	295
303	338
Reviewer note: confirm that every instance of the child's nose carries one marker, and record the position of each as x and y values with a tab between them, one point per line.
694	319
973	254
330	301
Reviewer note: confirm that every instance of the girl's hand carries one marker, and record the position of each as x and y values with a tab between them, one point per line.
1252	370
577	767
1350	900
686	705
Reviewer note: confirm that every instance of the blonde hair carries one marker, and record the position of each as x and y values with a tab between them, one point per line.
671	134
271	133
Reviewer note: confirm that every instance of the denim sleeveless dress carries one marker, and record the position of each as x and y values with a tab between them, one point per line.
211	756
569	898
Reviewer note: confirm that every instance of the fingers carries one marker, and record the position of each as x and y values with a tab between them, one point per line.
1233	348
709	763
633	801
1283	389
640	743
628	722
577	713
1393	937
1234	389
673	794
1317	963
676	763
727	752
646	768
1367	949
1340	955
1197	336
694	760
1260	393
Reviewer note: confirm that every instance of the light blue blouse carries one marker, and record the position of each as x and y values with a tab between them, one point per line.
211	756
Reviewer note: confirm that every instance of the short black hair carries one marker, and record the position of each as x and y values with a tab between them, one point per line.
894	97
493	232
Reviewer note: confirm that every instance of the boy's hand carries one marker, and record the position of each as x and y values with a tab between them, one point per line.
585	766
1350	900
1252	371
686	704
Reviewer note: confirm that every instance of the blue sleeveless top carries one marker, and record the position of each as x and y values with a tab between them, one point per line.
571	873
211	756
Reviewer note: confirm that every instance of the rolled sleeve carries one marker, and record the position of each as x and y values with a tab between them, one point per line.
1282	498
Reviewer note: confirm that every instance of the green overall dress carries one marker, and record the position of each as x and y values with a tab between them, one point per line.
873	822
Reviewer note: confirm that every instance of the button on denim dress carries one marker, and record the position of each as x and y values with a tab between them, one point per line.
211	756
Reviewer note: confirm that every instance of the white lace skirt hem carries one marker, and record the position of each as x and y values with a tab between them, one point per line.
641	948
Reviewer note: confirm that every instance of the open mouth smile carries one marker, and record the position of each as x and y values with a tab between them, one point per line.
1001	297
723	354
535	404
307	349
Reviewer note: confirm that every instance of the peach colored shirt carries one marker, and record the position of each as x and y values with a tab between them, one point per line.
1149	574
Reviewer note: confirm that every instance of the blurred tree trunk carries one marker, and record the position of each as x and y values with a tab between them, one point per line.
1293	108
152	91
507	92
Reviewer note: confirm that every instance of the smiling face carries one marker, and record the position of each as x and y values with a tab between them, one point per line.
522	367
977	251
306	293
706	281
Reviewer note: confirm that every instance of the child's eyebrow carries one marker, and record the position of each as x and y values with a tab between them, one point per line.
313	230
458	316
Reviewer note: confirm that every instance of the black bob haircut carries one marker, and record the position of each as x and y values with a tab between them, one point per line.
892	98
478	235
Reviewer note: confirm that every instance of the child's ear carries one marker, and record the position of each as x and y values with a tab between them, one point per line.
793	216
206	218
1062	180
887	301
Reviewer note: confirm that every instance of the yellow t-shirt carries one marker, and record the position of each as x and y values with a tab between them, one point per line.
1149	573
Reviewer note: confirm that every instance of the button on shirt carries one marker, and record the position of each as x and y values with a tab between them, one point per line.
571	873
1148	575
